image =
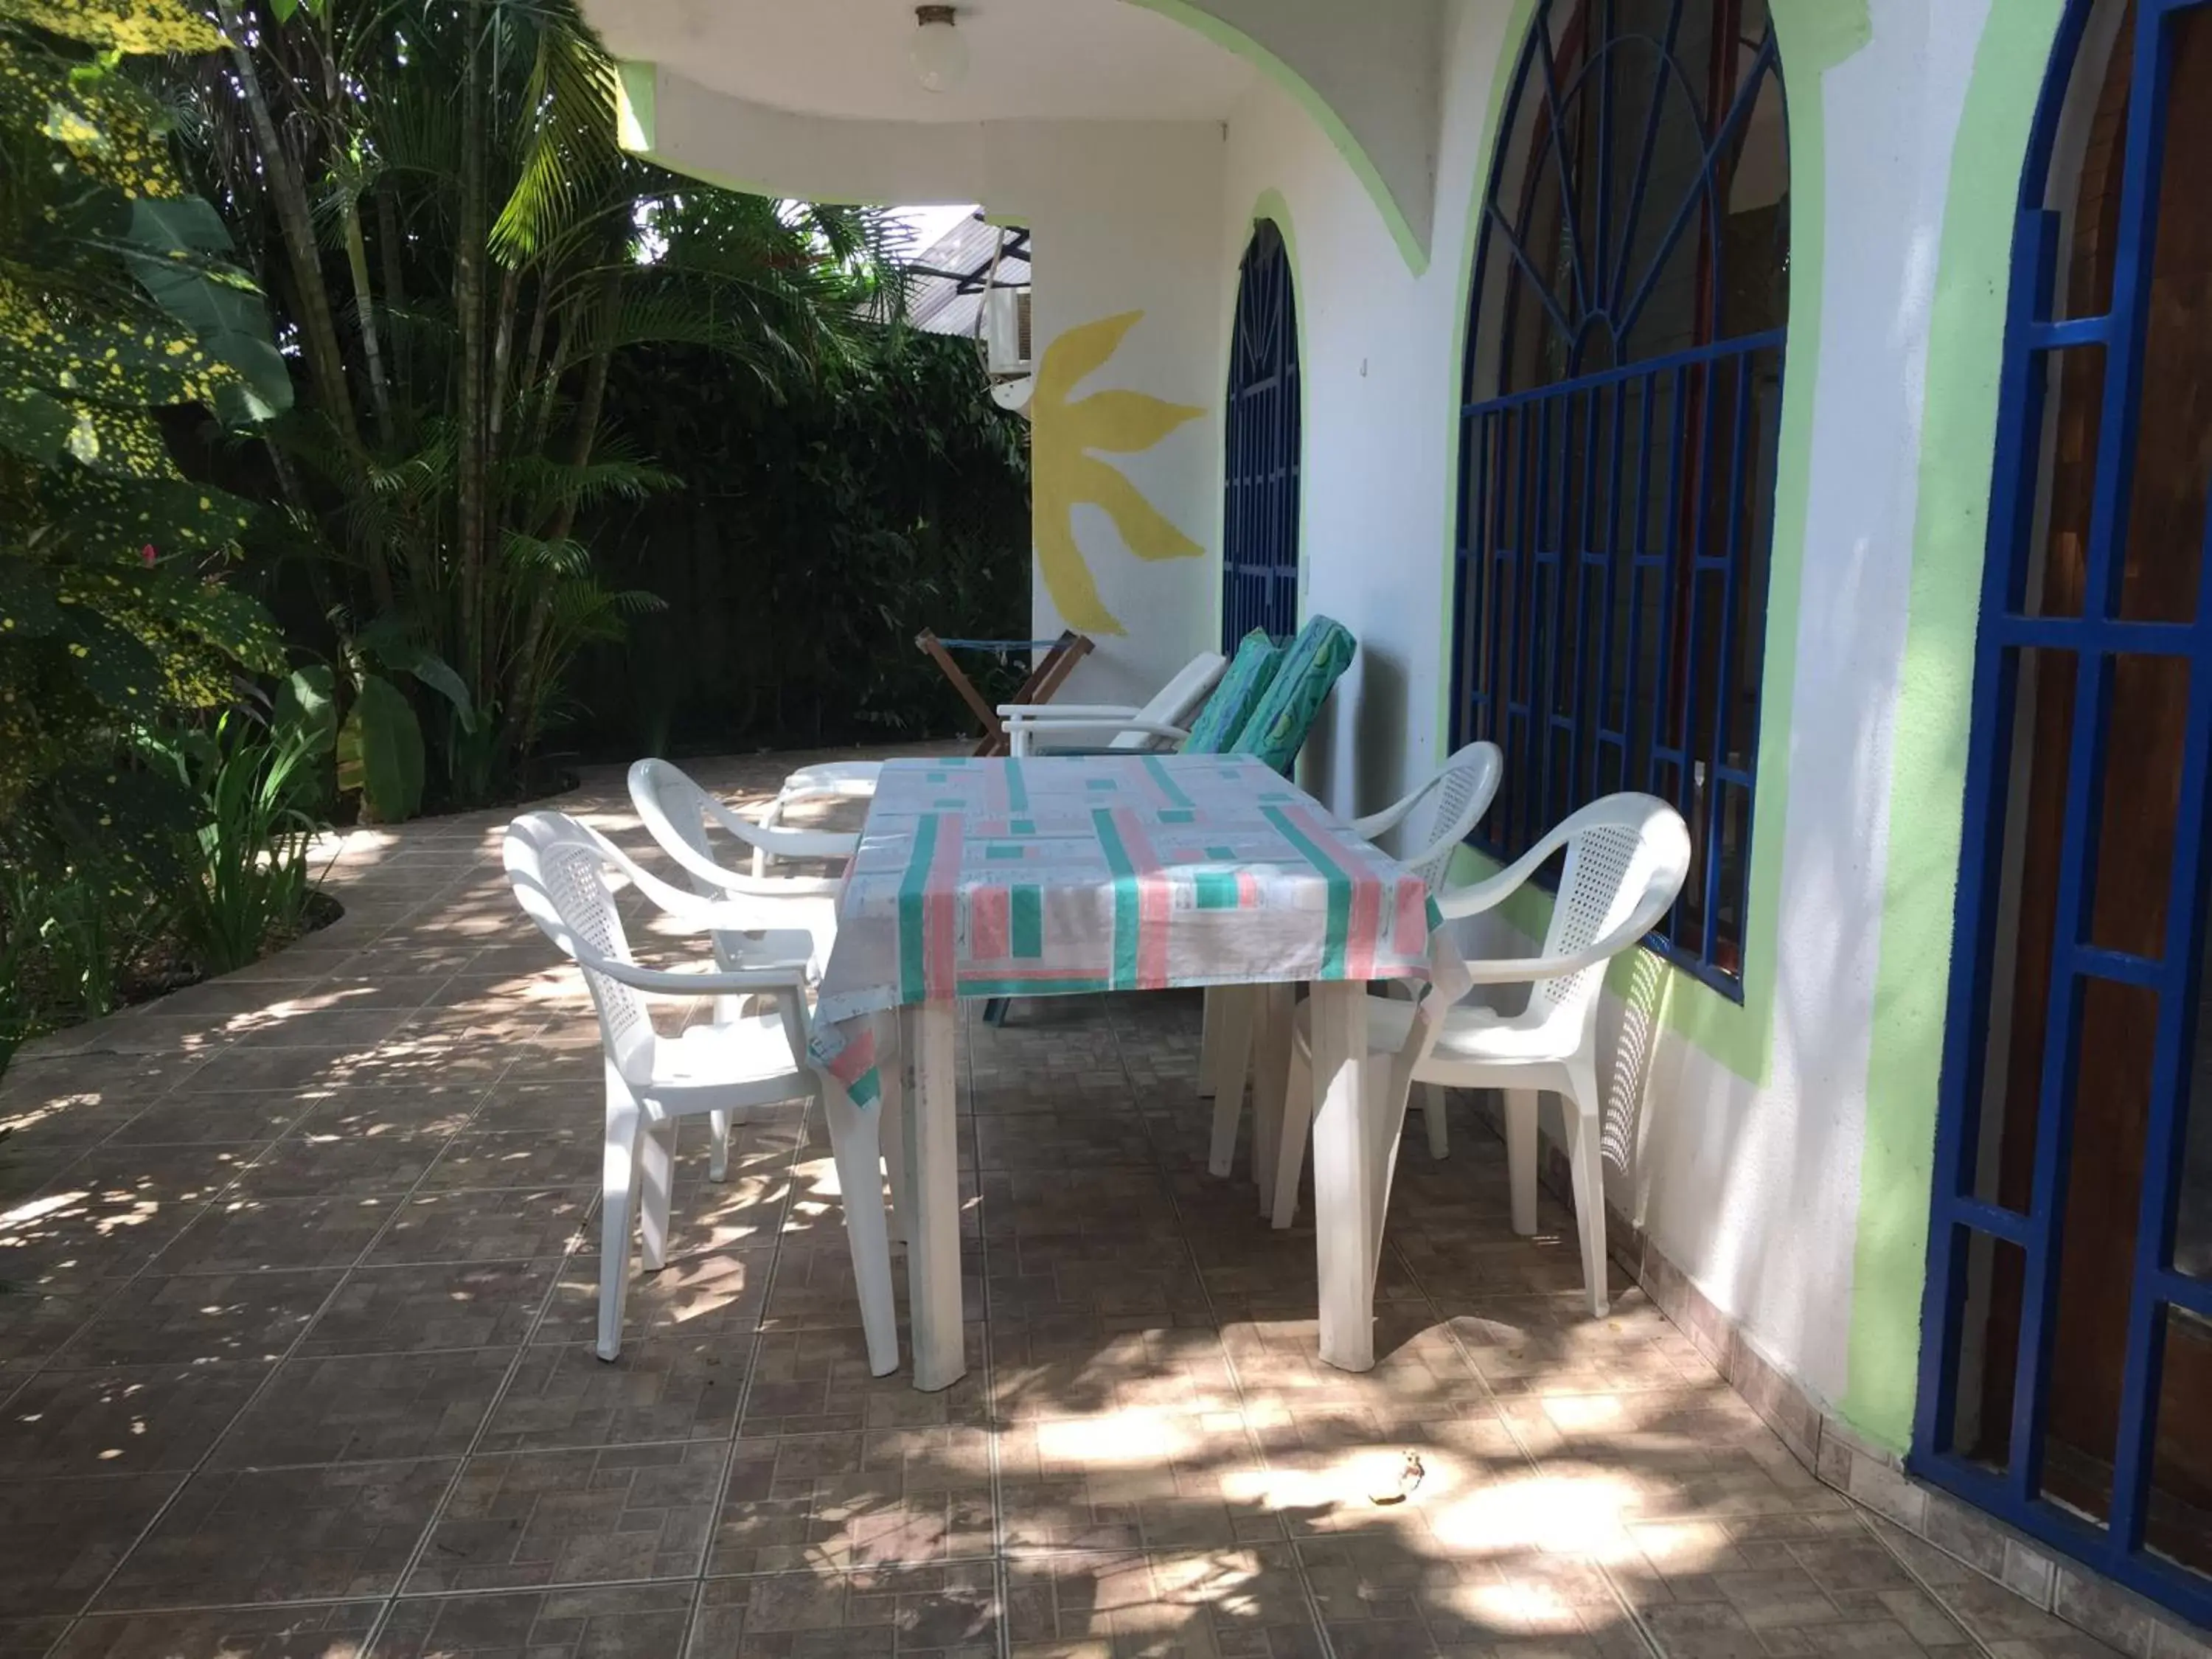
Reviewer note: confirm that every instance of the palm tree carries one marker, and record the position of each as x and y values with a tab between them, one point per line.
431	192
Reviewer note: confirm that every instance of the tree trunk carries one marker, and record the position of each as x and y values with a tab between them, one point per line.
318	333
364	304
502	347
522	723
468	297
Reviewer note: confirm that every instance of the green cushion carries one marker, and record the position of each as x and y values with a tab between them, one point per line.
1310	665
1235	695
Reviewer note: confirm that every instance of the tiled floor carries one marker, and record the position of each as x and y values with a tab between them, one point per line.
296	1366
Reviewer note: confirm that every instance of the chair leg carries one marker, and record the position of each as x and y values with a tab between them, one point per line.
1209	1040
995	1010
718	1159
855	1143
618	1173
1293	1128
1231	1008
1433	1116
656	1186
1521	1156
1585	1154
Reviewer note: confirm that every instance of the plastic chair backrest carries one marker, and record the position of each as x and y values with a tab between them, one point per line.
1627	857
1447	808
558	870
674	810
1175	702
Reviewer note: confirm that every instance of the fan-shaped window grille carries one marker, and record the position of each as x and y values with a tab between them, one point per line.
1623	393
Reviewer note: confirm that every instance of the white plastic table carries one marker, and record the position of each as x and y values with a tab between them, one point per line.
998	877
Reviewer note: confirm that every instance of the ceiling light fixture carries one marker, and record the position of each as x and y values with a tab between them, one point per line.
938	54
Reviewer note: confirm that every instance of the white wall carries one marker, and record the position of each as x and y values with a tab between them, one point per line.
1753	1191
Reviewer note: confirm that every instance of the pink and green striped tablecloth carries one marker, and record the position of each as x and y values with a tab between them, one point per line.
1056	876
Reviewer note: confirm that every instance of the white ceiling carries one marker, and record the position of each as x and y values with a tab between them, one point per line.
1028	59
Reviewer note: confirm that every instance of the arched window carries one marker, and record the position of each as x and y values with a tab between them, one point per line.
1617	433
1259	515
2069	1310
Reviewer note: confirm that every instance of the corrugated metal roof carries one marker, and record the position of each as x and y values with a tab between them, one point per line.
946	280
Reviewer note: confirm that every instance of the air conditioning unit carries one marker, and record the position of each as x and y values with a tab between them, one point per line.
1007	330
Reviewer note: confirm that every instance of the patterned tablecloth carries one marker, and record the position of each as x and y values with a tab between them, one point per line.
1033	877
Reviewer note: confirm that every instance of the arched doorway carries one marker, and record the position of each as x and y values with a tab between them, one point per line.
1259	511
2067	1381
1618	429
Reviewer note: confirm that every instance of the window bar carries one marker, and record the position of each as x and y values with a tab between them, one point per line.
1602	710
1598	287
1660	87
1516	662
1724	677
2166	1143
1695	791
1582	764
2108	520
1638	563
1554	556
1664	680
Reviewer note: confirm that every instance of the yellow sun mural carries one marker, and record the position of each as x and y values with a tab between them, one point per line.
1064	475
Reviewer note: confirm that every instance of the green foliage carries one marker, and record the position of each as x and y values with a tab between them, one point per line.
379	751
254	785
118	614
823	533
467	260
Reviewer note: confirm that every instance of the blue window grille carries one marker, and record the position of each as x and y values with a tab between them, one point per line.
2066	1366
1260	516
1616	435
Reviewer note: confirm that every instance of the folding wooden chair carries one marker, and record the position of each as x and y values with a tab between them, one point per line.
1051	672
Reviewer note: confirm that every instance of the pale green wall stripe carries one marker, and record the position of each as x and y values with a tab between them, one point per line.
1928	756
1318	110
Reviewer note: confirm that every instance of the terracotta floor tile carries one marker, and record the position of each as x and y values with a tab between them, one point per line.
886	1612
644	1622
329	1631
367	1408
1135	1481
239	1536
244	1234
537	1518
60	1539
853	1500
662	1389
122	1419
157	1318
818	1382
509	1225
1199	1604
412	1309
700	1296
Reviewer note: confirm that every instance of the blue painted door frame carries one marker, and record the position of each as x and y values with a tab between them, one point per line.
2095	640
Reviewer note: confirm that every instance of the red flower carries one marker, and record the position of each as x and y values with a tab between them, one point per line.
146	553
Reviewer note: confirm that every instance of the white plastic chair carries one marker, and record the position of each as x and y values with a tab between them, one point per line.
679	816
559	869
853	780
1160	724
1436	818
1626	856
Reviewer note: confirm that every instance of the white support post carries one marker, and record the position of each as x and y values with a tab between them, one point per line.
932	1256
1345	1189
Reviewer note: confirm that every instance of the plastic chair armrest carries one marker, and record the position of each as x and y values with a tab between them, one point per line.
1376	823
1023	711
660	982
